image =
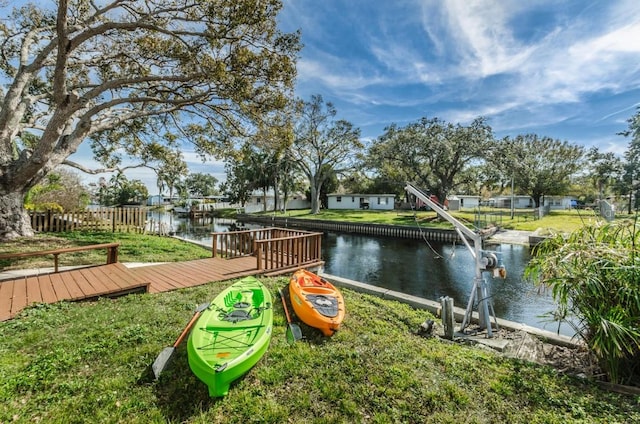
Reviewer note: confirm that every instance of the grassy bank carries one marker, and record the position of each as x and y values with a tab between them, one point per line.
133	248
89	362
558	221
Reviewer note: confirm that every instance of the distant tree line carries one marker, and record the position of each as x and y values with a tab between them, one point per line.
442	157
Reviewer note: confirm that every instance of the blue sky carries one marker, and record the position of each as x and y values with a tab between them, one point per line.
565	69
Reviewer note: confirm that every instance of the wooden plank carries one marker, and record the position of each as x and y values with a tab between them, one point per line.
33	290
75	291
155	275
151	273
178	274
85	287
19	299
98	275
187	273
59	287
194	273
131	279
46	289
6	298
158	286
97	286
220	269
115	279
126	276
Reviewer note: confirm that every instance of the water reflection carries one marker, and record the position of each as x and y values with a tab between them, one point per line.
414	267
433	270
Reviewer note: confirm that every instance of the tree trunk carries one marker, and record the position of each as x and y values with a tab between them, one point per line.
14	220
315	200
276	197
536	200
264	199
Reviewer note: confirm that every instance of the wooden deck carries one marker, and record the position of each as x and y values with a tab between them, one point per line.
179	275
268	251
78	284
115	279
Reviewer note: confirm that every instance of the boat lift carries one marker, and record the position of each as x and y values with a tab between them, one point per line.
485	261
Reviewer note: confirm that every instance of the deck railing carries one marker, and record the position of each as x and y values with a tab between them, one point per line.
273	247
111	249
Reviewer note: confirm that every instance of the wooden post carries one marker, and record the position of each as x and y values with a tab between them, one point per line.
259	255
448	320
112	254
214	245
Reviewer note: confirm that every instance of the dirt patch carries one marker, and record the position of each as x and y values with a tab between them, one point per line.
576	361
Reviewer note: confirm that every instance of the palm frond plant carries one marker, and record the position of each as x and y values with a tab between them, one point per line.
594	276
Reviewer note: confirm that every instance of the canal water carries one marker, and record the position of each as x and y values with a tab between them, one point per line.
429	270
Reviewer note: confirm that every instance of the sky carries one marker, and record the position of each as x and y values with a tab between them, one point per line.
569	70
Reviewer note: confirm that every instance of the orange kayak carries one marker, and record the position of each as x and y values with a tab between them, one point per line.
317	302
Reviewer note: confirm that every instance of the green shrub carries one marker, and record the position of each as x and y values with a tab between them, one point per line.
594	275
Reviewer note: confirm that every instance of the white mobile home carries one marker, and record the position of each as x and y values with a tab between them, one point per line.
361	201
257	199
519	201
558	202
464	201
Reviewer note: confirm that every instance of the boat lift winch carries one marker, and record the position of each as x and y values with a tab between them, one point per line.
485	261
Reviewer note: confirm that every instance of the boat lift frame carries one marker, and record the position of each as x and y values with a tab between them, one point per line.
484	261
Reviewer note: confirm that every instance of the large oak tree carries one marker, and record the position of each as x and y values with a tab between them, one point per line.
429	152
539	165
125	73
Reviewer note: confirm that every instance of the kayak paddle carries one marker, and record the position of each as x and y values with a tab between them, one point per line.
293	330
162	360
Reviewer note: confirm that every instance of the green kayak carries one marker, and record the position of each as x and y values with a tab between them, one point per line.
231	335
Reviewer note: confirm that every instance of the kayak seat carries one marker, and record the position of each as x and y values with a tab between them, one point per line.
326	305
318	290
305	281
237	315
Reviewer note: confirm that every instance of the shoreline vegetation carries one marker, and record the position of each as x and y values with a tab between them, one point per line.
90	362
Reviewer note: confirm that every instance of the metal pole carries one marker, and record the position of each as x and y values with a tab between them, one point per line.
512	199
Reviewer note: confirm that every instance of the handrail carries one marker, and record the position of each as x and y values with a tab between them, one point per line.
271	249
284	252
112	253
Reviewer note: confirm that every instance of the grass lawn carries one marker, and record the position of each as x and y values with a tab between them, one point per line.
90	362
557	221
133	248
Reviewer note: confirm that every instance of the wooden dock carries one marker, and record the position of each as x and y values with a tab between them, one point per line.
78	284
113	280
272	255
179	275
